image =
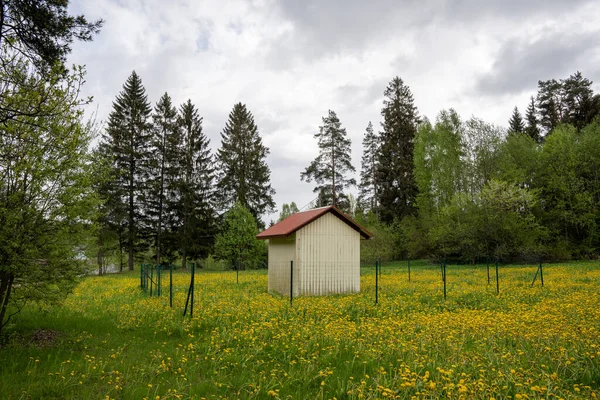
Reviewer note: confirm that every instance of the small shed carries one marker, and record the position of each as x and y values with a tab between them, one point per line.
324	245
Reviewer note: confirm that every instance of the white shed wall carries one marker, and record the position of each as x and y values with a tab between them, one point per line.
281	251
327	257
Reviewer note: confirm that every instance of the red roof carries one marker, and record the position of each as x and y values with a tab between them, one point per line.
296	221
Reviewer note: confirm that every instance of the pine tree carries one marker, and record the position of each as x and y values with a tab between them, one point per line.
515	123
549	104
163	171
367	188
532	123
330	168
126	140
578	99
196	202
243	174
396	187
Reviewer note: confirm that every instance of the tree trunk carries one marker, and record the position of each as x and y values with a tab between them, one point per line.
6	282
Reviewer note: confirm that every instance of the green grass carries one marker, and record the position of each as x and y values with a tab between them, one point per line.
114	341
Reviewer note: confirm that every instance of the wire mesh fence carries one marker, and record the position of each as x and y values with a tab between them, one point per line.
382	281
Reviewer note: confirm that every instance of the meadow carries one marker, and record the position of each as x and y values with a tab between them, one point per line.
109	340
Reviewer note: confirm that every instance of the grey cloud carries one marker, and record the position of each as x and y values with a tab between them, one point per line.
519	65
341	26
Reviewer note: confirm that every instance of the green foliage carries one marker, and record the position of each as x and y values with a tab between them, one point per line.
499	223
287	210
383	245
331	167
396	186
46	196
237	243
42	30
243	174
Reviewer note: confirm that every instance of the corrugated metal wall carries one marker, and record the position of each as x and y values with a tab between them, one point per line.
281	251
327	257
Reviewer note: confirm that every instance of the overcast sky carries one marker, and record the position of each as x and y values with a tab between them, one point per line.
290	61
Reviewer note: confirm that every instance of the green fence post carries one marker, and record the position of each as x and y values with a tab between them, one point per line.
487	263
159	271
377	282
193	284
171	285
291	282
497	281
141	275
444	278
151	279
537	270
541	272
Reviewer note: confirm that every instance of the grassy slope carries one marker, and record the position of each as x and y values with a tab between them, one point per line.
243	342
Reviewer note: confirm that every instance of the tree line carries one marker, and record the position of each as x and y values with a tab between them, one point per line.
468	189
165	192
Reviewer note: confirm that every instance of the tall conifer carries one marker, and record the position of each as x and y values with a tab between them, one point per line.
196	201
163	173
367	199
243	174
515	123
126	141
331	167
396	185
532	122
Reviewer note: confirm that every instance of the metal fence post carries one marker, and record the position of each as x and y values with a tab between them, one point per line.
171	285
541	272
377	282
159	272
487	263
291	282
151	278
193	288
497	281
444	278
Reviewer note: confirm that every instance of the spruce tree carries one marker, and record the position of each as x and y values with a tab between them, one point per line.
532	123
515	123
196	202
330	168
243	174
367	199
396	187
126	141
163	171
